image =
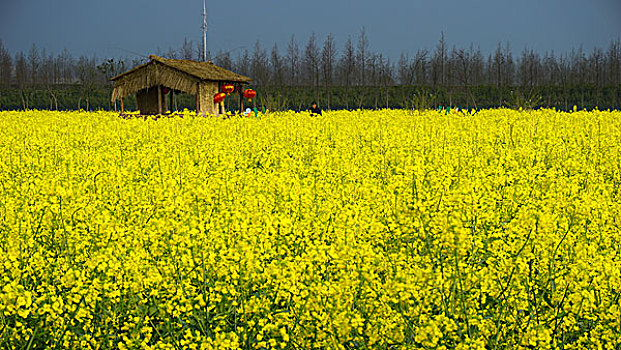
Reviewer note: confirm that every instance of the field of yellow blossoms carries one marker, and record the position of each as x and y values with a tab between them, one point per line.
355	230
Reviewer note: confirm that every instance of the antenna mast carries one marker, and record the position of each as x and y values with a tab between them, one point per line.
204	28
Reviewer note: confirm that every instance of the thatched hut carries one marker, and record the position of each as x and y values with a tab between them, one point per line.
152	81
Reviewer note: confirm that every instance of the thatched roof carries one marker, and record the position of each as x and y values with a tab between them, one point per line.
182	75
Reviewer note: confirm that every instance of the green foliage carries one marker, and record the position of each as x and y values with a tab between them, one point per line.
74	96
274	101
423	100
527	101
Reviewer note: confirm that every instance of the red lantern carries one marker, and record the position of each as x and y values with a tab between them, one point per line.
250	94
219	97
166	91
228	88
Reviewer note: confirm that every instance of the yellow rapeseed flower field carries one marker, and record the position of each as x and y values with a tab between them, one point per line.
356	230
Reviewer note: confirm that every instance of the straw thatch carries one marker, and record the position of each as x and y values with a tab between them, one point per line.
180	75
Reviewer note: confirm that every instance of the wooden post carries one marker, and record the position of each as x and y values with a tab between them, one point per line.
159	99
171	95
122	106
197	93
241	99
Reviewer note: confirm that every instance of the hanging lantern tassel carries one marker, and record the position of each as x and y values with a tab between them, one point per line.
250	94
219	97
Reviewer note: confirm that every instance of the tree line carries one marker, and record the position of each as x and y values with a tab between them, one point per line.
351	76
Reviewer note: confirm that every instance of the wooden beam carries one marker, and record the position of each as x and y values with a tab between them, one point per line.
122	106
159	99
197	93
171	95
241	99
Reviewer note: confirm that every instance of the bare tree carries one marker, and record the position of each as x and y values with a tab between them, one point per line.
311	64
328	58
187	50
412	72
362	55
87	77
550	76
65	66
347	68
6	66
477	67
468	70
243	65
293	61
171	53
277	66
420	67
463	63
596	72
47	77
260	65
564	69
442	74
34	61
529	68
224	60
278	71
501	70
385	77
613	63
373	65
550	69
404	70
109	69
578	75
21	78
438	63
596	67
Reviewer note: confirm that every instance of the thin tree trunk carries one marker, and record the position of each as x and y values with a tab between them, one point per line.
23	97
386	94
329	97
376	98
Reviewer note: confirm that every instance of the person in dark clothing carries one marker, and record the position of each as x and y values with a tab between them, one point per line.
315	110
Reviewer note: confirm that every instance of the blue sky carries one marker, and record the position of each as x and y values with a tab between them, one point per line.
107	27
